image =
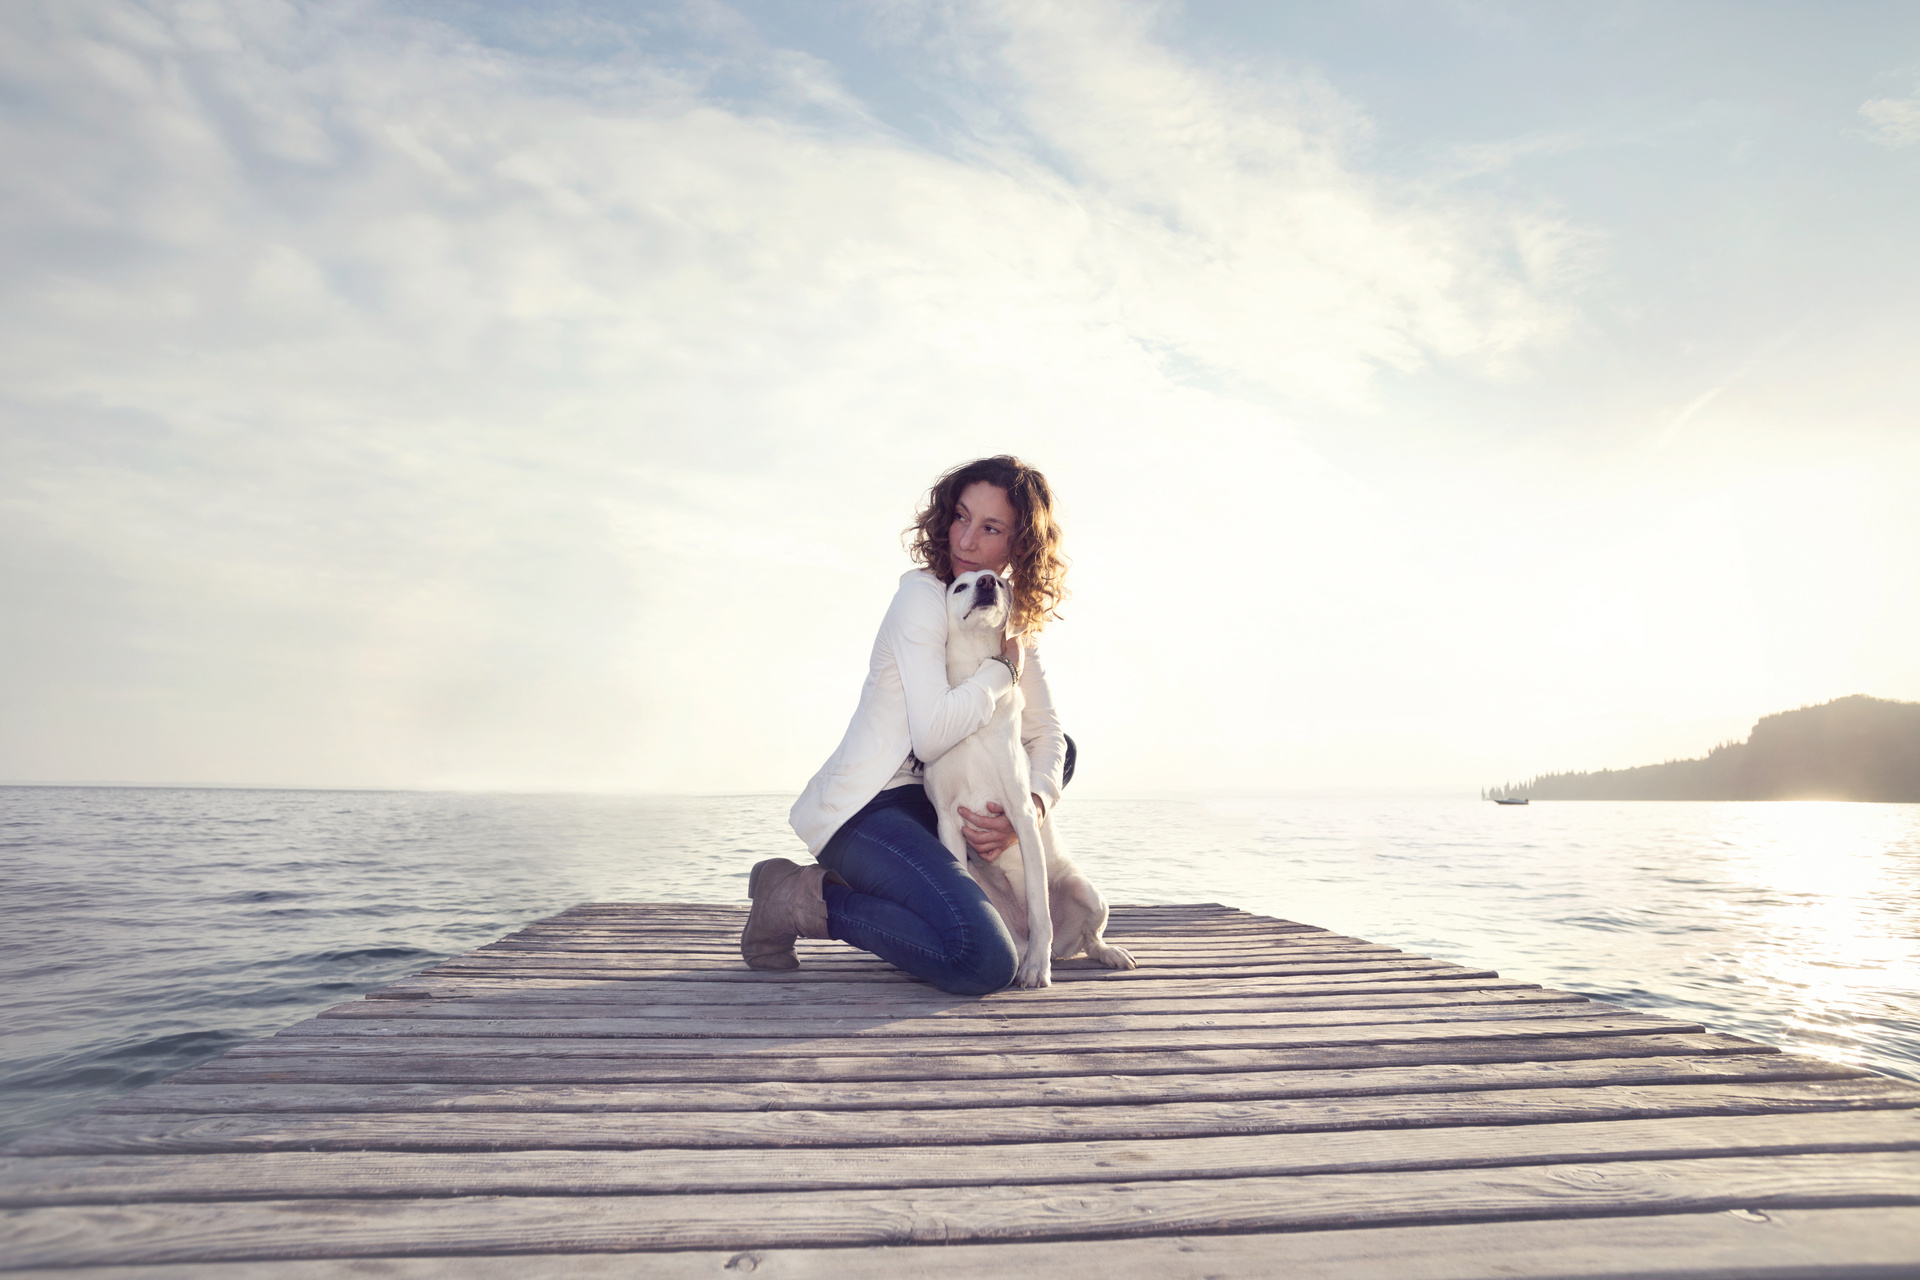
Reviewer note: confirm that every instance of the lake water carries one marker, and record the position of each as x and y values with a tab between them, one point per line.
146	930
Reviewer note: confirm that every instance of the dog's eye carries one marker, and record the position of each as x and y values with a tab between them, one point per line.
958	587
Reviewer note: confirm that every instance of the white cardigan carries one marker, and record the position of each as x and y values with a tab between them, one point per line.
906	705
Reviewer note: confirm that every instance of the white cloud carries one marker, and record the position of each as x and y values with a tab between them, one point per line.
1239	231
1893	122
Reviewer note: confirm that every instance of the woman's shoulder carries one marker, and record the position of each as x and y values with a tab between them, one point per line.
920	599
920	581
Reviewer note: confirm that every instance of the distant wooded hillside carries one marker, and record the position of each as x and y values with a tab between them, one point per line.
1856	748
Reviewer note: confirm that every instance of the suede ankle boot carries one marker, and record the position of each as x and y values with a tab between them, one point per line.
787	904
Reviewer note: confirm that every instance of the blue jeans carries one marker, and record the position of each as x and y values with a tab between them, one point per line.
907	901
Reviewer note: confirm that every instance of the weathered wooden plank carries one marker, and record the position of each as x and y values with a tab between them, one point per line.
917	994
1779	1244
637	962
728	957
882	973
666	910
717	935
876	971
676	962
323	1068
534	1171
822	951
956	1010
1188	911
274	1229
666	914
102	1133
1140	928
1120	1014
722	941
728	962
719	941
453	971
337	1039
177	1098
849	960
673	910
1162	1031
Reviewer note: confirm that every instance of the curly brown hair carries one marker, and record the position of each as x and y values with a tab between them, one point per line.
1038	572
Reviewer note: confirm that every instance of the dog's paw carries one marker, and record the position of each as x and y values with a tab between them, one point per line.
1031	975
1111	956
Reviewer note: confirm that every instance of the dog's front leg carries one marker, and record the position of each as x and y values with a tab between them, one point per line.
1036	968
956	843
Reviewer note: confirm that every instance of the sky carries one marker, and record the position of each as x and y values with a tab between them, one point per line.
531	396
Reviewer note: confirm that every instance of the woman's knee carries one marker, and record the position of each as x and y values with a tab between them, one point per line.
983	968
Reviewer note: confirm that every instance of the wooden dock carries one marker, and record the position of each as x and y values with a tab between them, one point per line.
609	1092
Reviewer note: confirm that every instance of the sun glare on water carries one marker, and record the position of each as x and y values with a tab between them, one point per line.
1831	882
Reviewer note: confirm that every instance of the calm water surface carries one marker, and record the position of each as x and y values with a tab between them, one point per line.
146	930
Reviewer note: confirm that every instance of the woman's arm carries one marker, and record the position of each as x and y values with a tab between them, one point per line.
1041	734
938	717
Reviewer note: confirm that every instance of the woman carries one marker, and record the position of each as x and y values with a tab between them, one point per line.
882	880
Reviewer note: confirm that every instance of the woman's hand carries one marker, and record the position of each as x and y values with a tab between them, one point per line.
1014	650
990	834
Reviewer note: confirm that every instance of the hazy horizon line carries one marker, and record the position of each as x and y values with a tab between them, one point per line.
1227	793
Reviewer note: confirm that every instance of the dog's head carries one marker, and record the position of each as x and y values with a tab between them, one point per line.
979	602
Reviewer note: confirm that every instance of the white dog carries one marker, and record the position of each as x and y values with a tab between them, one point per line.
1053	911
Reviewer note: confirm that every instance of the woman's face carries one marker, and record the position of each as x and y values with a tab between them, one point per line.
982	532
